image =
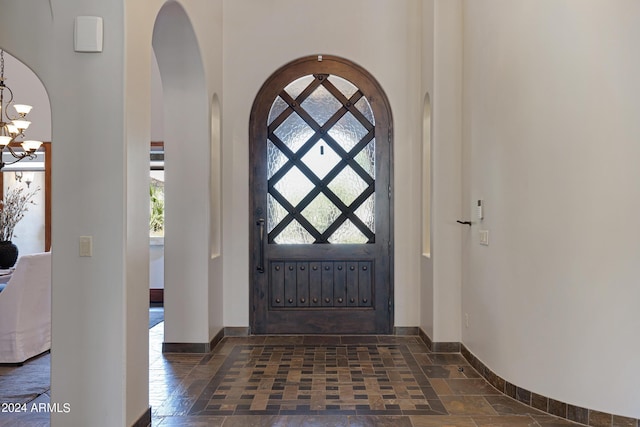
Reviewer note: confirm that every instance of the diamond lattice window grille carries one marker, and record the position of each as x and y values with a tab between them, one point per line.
321	163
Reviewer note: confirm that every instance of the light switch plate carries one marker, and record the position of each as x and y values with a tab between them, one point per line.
86	246
484	237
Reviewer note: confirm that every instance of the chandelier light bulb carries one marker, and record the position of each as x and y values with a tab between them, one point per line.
28	177
22	109
21	124
31	146
11	133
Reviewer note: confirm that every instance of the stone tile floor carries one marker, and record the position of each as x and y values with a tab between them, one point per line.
320	381
327	381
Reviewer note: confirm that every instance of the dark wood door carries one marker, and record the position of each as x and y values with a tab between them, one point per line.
320	201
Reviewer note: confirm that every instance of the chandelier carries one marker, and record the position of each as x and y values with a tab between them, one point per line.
12	128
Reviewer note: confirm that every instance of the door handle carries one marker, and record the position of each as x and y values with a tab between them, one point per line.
260	224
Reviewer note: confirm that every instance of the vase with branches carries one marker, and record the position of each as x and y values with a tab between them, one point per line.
13	206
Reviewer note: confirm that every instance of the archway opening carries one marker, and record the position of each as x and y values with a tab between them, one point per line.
25	341
186	141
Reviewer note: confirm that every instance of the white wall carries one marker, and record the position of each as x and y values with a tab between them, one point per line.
156	263
383	36
157	102
188	47
186	249
136	69
441	80
88	293
427	87
551	139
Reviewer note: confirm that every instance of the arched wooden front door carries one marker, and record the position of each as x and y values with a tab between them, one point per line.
320	201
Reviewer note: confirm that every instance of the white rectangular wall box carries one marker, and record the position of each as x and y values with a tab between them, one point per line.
87	34
86	246
484	237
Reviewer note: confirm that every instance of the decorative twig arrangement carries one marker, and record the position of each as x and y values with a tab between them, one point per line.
13	206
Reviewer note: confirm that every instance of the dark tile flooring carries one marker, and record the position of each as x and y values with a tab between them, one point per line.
327	381
316	381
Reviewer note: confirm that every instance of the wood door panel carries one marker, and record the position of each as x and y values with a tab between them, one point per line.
327	284
290	284
352	283
302	284
320	195
315	284
339	285
277	284
324	322
365	292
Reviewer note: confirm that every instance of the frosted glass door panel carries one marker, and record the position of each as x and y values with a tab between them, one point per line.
321	164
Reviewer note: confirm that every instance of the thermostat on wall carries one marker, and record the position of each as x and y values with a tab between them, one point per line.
87	34
480	210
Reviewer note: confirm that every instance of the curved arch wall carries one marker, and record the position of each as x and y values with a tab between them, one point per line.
187	156
551	140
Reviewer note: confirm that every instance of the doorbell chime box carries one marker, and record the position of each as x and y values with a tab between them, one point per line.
87	34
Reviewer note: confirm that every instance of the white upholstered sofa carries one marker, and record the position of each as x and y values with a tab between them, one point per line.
25	310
